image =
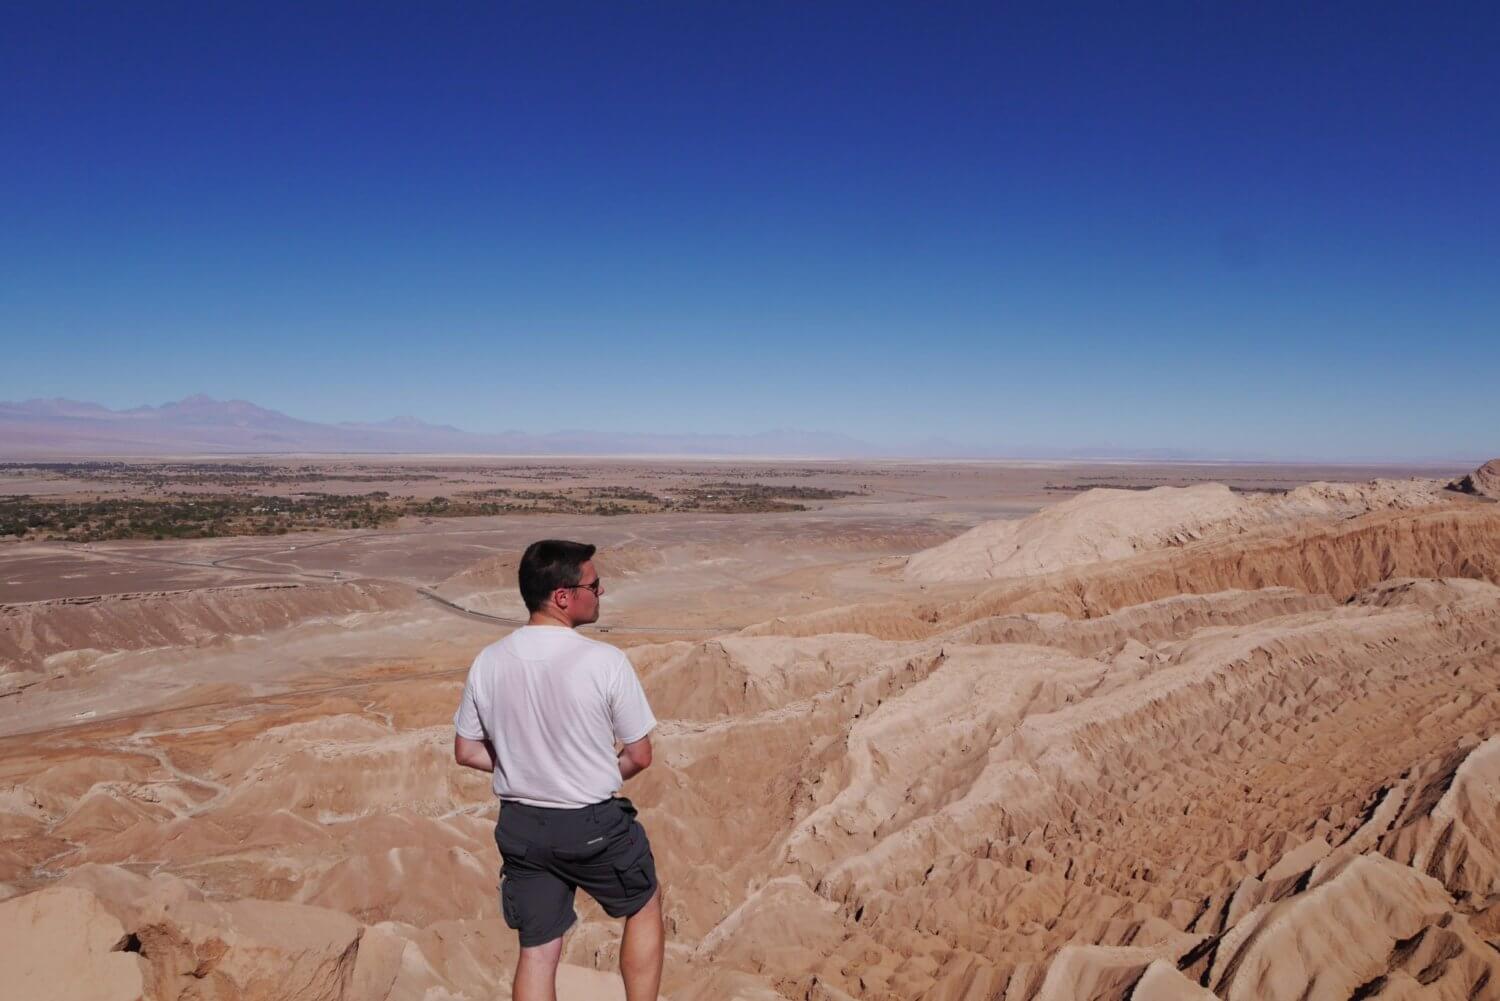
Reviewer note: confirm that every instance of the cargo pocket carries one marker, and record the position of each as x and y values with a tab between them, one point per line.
508	906
637	871
638	878
510	855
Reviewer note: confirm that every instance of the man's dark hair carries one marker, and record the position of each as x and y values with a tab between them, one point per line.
548	565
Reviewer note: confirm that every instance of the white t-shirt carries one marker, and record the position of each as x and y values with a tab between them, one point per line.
552	703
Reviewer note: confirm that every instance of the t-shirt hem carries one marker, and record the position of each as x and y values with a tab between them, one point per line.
470	736
548	804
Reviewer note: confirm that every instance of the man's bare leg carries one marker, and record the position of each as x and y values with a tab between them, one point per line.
641	952
536	972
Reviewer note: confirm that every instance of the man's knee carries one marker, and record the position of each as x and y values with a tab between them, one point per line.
647	923
548	954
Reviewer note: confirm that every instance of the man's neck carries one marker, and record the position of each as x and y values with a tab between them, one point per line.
546	617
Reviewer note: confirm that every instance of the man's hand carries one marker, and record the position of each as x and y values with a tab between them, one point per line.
473	753
635	758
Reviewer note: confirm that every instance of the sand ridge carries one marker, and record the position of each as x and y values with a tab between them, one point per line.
1102	525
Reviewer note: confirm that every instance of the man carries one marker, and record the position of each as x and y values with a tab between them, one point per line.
544	709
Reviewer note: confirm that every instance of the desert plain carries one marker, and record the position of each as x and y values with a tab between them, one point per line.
929	730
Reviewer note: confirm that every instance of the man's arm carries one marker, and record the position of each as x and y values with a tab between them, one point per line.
635	757
476	753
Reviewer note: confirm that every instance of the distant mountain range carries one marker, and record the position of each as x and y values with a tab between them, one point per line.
201	424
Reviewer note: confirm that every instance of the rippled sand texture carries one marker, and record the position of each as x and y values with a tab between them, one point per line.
1140	745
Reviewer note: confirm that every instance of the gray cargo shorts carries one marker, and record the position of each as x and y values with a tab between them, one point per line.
549	853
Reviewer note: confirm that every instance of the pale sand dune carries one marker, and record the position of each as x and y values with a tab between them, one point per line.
1337	559
1102	525
1257	756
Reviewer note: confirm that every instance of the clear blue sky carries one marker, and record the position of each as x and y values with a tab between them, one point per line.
1237	228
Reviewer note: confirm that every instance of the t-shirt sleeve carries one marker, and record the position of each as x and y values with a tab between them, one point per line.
628	708
468	721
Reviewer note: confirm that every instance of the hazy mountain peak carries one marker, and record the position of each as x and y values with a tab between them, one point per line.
201	423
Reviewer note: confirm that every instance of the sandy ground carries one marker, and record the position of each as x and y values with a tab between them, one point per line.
1248	752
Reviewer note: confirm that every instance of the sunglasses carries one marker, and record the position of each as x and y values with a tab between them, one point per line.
592	585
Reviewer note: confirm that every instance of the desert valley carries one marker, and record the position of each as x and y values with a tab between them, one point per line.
930	731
